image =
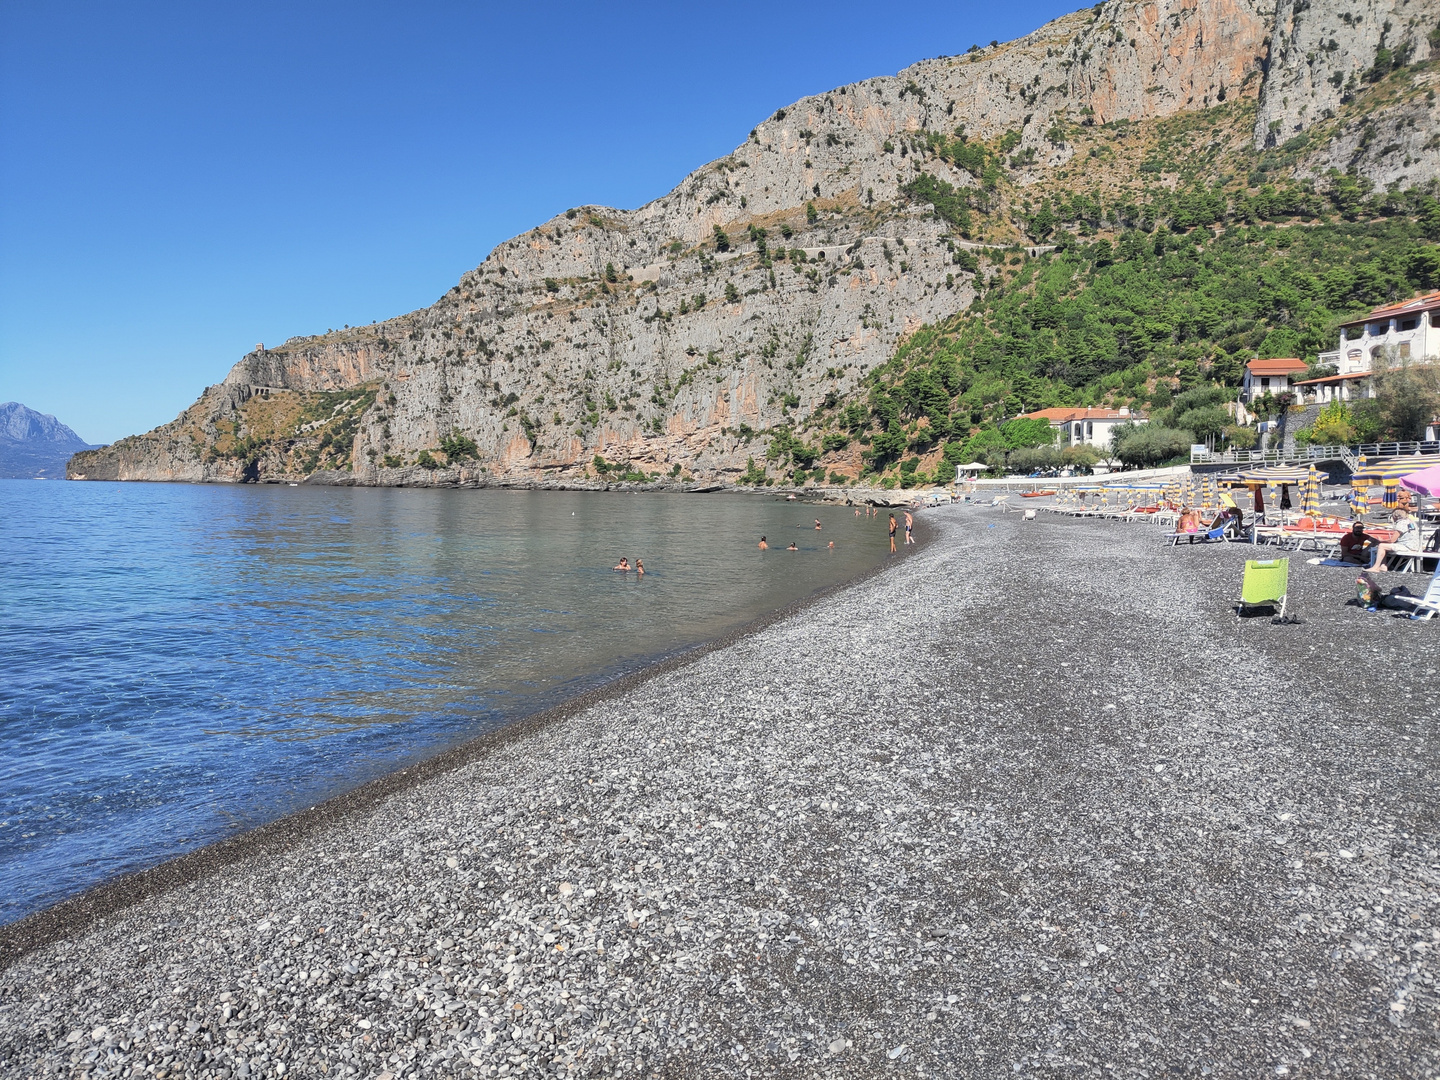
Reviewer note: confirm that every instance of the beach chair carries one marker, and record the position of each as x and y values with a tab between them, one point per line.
1267	582
1423	607
1205	536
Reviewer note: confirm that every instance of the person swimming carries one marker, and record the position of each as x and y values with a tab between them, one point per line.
793	546
763	544
817	524
639	567
624	566
831	545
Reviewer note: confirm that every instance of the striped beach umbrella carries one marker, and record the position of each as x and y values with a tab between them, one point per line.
1391	486
1310	494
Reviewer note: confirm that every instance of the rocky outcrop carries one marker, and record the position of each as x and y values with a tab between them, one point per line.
1322	51
762	289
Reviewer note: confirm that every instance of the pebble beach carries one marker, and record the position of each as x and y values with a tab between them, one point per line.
1030	802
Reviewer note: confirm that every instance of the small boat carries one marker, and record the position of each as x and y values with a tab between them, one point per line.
1034	494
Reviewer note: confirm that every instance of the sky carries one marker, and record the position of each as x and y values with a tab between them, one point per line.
181	181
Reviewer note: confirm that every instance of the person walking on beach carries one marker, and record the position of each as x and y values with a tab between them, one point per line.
893	526
624	566
763	544
909	525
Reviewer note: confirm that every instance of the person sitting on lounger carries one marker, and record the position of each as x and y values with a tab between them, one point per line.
1408	542
1353	545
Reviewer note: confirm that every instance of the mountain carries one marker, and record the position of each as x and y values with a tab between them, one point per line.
34	444
765	314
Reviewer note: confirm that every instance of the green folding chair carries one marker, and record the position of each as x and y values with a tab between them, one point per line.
1267	582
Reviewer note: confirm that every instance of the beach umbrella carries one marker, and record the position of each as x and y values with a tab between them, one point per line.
1426	481
1391	487
1375	472
1310	494
1210	490
1277	474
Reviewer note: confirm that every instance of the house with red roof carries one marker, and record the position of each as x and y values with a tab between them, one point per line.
1270	376
1405	331
1086	427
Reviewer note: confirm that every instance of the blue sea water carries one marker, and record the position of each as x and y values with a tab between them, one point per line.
180	662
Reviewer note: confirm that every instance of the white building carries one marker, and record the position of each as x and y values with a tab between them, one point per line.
1269	376
1409	330
1086	427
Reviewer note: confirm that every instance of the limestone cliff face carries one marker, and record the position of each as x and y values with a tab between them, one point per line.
1322	50
649	339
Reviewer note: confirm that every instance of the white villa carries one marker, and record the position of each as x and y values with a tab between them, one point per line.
1409	330
1086	427
1269	376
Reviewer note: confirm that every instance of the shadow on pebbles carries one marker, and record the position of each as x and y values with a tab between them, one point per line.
1031	803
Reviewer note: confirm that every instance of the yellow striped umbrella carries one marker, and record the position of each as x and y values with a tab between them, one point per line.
1310	494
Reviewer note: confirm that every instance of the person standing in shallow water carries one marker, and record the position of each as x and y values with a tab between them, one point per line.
892	534
763	544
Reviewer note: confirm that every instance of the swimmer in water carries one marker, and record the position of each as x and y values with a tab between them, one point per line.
831	545
639	567
763	544
817	524
793	547
624	566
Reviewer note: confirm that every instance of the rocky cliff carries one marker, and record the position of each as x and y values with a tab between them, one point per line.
760	293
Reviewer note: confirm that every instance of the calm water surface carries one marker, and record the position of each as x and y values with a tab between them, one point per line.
179	662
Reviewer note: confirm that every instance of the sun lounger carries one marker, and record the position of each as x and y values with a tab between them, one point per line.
1205	536
1267	582
1427	606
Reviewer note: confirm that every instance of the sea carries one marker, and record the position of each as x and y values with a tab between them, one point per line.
182	662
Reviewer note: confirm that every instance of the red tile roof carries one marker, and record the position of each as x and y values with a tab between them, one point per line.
1063	416
1275	367
1424	302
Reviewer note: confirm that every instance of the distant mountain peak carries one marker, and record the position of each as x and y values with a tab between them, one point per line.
21	424
34	444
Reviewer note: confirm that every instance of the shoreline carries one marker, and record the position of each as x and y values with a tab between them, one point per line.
834	494
77	913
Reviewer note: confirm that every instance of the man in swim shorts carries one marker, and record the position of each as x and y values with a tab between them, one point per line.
909	525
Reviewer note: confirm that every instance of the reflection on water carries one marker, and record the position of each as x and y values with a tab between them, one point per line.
180	662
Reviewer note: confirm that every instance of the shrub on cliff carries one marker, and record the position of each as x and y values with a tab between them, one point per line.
457	447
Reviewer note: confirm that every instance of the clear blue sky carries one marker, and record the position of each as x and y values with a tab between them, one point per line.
179	181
